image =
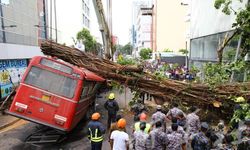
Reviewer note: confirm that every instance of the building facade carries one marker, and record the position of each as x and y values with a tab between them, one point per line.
141	26
208	27
169	26
19	39
71	17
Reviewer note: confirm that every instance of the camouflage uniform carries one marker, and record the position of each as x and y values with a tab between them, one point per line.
156	139
158	116
181	131
174	141
200	142
140	140
193	123
174	112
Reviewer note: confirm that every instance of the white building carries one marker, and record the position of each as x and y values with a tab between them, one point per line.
21	31
72	17
141	26
208	26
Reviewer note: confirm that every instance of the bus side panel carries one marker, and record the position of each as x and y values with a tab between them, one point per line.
56	112
82	108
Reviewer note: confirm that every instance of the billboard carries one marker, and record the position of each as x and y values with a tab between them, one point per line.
11	72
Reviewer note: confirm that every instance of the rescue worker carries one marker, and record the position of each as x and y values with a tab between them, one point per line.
219	132
200	141
244	142
159	116
114	126
143	118
193	121
112	107
179	128
172	113
95	132
181	120
156	138
174	141
140	137
119	139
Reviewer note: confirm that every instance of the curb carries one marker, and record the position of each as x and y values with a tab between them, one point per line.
10	123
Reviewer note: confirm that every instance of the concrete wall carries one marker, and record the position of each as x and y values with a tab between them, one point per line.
206	20
15	51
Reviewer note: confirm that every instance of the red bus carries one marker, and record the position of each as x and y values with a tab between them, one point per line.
55	93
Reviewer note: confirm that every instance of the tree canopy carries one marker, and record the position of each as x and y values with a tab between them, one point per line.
87	39
126	49
145	53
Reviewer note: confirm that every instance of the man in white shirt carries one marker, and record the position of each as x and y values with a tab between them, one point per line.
119	139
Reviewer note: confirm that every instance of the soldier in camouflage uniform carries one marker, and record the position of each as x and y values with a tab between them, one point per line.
156	138
200	141
159	116
193	122
174	141
172	113
140	137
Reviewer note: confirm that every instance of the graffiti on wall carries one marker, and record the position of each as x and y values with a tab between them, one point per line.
11	72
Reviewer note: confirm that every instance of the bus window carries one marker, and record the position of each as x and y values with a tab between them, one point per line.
85	89
51	82
91	88
97	85
88	87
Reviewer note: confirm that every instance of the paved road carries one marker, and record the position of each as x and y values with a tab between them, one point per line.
77	140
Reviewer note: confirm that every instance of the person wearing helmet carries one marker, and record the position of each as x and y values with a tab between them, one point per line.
112	107
95	131
119	138
200	140
143	118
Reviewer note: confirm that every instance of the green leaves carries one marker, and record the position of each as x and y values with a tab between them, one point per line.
183	51
125	61
216	74
87	39
145	53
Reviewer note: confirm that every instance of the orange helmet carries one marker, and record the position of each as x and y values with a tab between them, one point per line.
95	116
143	116
121	123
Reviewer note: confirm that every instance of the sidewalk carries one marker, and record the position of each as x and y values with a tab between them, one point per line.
7	120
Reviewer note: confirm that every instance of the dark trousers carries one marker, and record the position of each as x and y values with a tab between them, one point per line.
96	145
111	118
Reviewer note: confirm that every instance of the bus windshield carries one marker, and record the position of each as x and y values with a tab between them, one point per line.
51	82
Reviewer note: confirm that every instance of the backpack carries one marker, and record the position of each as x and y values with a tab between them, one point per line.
111	106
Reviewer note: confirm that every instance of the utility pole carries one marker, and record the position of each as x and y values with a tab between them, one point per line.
2	22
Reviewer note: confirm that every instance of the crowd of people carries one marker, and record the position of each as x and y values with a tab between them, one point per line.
174	130
171	71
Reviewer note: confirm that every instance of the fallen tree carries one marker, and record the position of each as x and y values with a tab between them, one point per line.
163	90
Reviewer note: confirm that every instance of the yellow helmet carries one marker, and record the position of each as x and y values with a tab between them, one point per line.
111	96
240	99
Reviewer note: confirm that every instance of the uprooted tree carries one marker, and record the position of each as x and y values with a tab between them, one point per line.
163	90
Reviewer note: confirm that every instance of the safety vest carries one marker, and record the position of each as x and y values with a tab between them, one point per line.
95	138
146	130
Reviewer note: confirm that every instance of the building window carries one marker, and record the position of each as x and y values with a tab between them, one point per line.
205	48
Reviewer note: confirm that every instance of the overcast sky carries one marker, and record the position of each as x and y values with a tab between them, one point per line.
122	20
